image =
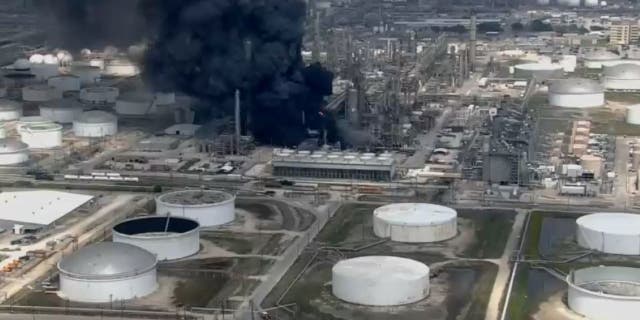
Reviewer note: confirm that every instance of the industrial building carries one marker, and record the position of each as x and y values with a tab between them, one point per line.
107	272
40	93
168	238
37	209
208	207
622	77
333	165
576	93
615	233
42	136
95	123
13	152
595	59
415	222
380	280
624	33
538	71
605	292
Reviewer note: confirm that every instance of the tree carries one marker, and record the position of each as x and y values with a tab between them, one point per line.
517	26
540	26
490	27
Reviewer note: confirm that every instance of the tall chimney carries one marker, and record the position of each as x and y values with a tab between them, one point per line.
472	43
315	53
237	122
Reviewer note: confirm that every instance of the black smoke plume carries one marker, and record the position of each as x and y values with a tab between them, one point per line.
210	48
77	24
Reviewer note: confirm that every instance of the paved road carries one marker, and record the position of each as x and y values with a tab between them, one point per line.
622	174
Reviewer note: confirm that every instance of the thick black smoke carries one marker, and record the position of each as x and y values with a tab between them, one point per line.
77	24
208	48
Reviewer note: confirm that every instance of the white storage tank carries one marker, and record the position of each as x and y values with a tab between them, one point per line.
10	110
576	93
591	3
605	292
99	95
42	136
167	237
61	110
208	207
40	93
569	3
134	104
30	120
95	123
616	233
415	222
120	68
89	75
107	272
3	130
624	77
633	114
44	71
539	71
65	83
13	152
380	280
594	59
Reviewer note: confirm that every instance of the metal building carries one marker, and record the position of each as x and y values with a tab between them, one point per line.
335	165
415	222
207	207
605	292
168	237
380	280
107	272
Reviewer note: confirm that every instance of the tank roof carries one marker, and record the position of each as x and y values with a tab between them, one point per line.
195	197
43	127
623	71
601	55
156	225
12	145
96	116
415	214
107	260
576	86
612	223
538	66
377	267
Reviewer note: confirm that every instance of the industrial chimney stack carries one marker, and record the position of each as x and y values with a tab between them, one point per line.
237	122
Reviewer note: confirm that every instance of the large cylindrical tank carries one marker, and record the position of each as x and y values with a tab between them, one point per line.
10	110
569	3
13	152
44	71
120	68
595	59
42	136
615	233
624	77
164	98
415	222
168	237
29	120
539	71
380	280
65	83
99	95
208	207
107	272
633	114
95	124
605	292
61	110
89	75
576	93
40	93
135	105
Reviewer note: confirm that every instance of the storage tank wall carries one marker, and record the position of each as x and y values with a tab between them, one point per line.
101	290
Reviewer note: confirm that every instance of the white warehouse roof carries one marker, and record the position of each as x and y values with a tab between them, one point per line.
40	207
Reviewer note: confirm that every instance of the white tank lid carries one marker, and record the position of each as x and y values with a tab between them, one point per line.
382	267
